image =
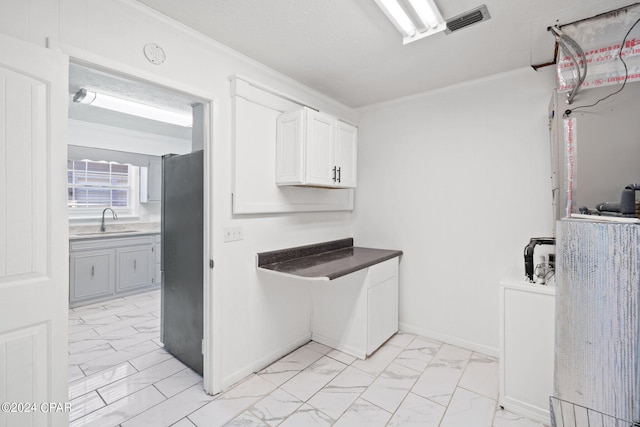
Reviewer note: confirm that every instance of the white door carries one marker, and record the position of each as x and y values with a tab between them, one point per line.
34	263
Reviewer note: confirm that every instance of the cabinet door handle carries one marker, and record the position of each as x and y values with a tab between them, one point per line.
134	264
339	174
93	270
334	173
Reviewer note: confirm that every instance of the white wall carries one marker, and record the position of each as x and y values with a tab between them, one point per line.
86	134
457	178
257	318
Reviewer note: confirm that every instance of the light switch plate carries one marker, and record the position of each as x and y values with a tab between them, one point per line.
232	234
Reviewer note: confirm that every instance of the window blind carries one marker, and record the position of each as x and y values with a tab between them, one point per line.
93	185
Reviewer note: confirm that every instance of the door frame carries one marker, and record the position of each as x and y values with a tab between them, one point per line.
211	305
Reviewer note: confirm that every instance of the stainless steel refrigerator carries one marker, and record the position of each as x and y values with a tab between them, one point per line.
182	257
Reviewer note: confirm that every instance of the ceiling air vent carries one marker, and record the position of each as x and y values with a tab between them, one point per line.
470	17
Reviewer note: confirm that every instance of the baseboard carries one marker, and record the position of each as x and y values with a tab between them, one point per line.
244	372
352	351
526	410
263	362
437	336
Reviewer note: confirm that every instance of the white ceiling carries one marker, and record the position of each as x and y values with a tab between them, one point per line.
350	51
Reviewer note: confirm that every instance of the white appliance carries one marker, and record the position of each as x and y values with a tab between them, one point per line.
526	345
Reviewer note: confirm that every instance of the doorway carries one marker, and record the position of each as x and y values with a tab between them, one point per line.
115	326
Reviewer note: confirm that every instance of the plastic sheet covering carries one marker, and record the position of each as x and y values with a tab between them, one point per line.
571	147
600	39
598	277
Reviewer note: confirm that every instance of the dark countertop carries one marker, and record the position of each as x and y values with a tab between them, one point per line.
327	260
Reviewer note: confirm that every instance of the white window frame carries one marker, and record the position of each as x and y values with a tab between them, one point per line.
131	211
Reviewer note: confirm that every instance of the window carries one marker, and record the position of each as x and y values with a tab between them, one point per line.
93	186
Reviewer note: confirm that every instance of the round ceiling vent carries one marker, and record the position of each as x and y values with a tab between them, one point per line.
154	53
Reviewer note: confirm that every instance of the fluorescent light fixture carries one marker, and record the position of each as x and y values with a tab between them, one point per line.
131	107
398	16
419	18
426	13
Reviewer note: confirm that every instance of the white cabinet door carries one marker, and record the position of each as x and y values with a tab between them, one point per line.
154	183
382	303
320	166
527	349
92	274
382	317
290	148
135	267
346	153
34	262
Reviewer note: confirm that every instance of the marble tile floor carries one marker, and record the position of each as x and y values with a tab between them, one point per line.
121	376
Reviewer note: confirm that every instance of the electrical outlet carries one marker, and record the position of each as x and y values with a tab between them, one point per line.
232	234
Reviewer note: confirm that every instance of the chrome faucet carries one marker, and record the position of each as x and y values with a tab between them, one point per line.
104	227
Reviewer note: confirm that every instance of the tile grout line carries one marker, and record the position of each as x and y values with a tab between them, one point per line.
444	414
414	384
366	388
128	361
146	301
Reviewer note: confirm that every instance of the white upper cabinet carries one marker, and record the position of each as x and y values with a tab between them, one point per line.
151	181
346	154
155	179
315	149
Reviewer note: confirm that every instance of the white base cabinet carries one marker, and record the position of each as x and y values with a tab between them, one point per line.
358	312
527	330
103	268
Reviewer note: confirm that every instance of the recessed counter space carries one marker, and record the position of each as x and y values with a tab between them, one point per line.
323	261
354	291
